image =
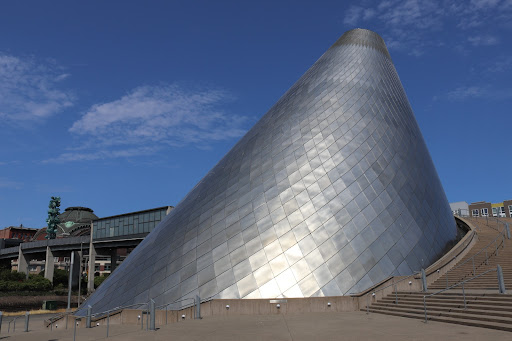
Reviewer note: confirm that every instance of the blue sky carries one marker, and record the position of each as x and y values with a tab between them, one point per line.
124	105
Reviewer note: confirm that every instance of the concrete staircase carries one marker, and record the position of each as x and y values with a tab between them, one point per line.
485	307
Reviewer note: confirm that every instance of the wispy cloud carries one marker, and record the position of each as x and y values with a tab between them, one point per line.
411	22
478	92
149	117
483	40
9	184
502	64
465	92
30	90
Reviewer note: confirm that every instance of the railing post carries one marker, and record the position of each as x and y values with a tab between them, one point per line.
501	281
74	330
198	307
446	275
152	312
496	243
1	316
507	229
486	257
108	321
473	258
396	296
147	317
166	314
27	317
464	296
367	304
424	280
89	316
425	307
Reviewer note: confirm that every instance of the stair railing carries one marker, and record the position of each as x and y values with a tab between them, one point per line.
113	310
373	293
498	241
166	306
501	285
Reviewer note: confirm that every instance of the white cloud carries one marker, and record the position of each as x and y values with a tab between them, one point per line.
502	64
353	15
480	4
412	22
149	117
102	154
30	91
480	92
462	93
483	40
6	183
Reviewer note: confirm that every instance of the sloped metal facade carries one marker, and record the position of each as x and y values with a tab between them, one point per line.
332	191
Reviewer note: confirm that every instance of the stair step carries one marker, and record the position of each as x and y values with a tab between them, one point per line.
462	315
487	310
497	326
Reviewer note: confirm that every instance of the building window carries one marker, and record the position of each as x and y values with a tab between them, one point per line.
510	210
485	212
475	213
494	211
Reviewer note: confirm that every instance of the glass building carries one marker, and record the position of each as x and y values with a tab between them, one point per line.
331	192
135	223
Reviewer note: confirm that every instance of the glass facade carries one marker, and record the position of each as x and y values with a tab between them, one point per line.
128	224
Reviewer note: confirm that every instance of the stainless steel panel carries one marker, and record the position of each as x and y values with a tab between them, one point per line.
335	179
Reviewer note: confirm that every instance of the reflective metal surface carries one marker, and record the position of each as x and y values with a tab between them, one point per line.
329	193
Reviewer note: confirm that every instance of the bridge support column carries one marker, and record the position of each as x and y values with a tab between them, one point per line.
76	269
23	262
113	260
92	262
49	264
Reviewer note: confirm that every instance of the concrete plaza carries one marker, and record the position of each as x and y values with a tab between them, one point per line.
308	326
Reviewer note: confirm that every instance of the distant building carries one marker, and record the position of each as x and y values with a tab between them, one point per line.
18	232
460	208
74	221
78	221
487	209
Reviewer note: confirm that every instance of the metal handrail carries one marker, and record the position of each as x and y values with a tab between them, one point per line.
472	258
58	316
453	286
14	327
178	301
464	246
373	292
381	289
79	317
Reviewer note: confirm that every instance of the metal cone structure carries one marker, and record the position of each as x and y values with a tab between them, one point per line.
331	192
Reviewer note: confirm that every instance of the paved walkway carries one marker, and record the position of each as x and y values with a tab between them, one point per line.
310	326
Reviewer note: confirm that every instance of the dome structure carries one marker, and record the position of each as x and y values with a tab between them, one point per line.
74	221
331	192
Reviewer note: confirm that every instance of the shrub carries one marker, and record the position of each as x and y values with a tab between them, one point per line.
98	280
